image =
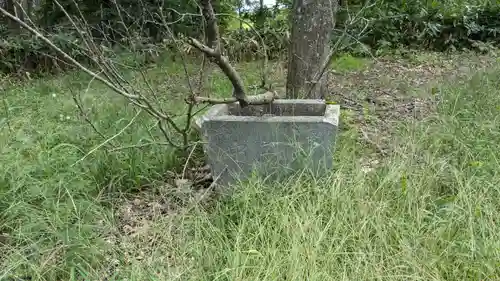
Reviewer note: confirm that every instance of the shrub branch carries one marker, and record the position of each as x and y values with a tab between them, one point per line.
110	76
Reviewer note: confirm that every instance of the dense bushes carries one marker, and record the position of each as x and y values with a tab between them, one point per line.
25	53
394	24
391	24
115	24
247	43
383	25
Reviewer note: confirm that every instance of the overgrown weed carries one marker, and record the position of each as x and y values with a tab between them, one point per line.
427	212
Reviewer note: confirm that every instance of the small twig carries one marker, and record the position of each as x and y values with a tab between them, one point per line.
205	178
139	146
264	70
201	109
109	139
368	140
189	114
214	183
203	169
187	160
201	74
166	25
187	126
148	84
166	135
78	102
136	99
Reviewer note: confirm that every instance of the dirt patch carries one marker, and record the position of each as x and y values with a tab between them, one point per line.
402	76
390	90
148	219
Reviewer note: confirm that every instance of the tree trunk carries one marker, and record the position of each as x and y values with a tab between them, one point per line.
312	25
260	16
10	6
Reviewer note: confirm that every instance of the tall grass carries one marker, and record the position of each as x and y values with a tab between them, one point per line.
428	212
57	202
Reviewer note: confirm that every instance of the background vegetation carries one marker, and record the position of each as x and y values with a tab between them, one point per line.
372	27
414	194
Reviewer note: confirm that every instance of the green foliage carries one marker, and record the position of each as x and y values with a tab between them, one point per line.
425	213
250	44
390	24
55	203
387	24
428	210
25	53
428	25
350	63
250	41
383	25
133	25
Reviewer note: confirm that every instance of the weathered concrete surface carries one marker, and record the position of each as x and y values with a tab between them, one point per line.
270	140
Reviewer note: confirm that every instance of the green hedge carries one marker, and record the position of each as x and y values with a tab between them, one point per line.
426	27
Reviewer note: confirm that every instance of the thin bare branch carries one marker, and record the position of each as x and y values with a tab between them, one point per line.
227	68
204	48
187	160
213	50
79	104
260	99
167	135
114	80
68	57
109	139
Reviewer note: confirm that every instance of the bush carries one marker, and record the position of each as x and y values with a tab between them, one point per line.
388	24
25	52
427	26
245	45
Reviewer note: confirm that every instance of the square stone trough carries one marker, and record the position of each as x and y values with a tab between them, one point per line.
271	141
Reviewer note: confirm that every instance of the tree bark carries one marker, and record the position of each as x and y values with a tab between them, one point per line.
312	24
10	6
